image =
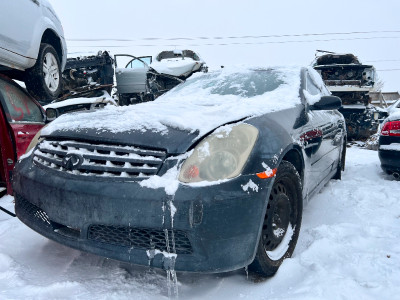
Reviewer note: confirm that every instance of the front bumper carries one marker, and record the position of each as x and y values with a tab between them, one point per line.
199	229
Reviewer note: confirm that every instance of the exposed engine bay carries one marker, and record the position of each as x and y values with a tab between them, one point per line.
347	78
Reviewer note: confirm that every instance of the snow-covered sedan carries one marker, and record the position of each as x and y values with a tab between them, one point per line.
32	46
209	177
389	145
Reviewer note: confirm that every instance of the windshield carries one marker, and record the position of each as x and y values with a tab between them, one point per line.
244	84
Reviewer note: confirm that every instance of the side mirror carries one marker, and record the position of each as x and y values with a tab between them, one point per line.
327	103
51	114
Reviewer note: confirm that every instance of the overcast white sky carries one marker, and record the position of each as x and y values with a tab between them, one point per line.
239	32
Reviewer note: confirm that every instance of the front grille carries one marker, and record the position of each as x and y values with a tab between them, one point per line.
142	238
124	162
39	217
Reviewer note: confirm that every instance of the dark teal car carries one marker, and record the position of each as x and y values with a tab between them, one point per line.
209	177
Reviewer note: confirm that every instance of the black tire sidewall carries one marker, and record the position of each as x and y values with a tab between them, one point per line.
263	264
35	82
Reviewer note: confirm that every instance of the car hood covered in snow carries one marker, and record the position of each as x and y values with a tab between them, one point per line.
188	112
175	66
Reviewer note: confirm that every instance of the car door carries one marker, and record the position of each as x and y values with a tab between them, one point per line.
321	138
22	116
18	22
7	154
131	79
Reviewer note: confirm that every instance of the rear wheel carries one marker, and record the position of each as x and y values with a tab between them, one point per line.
43	80
282	222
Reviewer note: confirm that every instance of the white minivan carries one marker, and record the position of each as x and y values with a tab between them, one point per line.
32	46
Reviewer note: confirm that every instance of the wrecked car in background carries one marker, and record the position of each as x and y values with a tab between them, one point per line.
87	82
143	79
21	117
209	177
85	74
32	46
352	81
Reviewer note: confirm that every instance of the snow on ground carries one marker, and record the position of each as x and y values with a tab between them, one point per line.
348	249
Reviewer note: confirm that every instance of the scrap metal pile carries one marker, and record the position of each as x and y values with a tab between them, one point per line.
347	78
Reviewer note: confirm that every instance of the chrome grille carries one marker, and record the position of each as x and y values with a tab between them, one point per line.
101	160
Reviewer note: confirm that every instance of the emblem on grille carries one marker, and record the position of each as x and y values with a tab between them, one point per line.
72	161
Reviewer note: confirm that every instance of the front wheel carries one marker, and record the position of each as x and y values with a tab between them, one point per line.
43	80
281	226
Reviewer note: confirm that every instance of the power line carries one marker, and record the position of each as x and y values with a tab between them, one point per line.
232	37
240	43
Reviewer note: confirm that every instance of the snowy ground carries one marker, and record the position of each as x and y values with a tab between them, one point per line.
348	249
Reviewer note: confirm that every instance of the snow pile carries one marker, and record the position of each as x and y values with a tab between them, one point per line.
316	77
393	116
391	147
202	103
174	66
105	98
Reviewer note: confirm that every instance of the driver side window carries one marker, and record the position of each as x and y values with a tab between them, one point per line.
311	87
19	107
137	64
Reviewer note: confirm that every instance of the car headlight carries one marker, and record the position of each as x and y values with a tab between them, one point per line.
221	155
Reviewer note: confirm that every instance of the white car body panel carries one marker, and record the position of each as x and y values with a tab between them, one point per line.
131	80
176	66
21	30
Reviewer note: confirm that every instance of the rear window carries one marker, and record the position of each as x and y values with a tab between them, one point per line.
18	106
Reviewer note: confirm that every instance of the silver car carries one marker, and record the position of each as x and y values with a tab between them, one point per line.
32	46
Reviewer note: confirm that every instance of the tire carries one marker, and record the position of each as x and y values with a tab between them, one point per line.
282	221
43	80
341	164
123	100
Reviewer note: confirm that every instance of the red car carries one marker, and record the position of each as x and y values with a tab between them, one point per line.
21	117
